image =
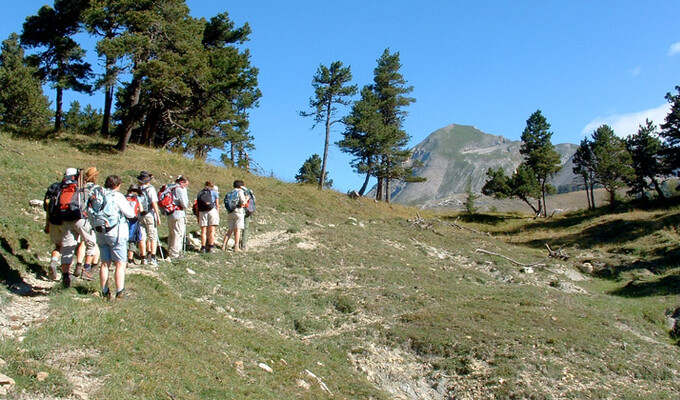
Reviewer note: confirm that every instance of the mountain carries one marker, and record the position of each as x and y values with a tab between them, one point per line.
455	154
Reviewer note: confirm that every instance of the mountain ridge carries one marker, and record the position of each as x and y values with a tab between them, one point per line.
455	154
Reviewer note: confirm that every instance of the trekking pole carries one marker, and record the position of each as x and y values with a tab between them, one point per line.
160	249
184	251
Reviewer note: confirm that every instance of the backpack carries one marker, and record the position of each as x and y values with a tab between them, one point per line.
250	204
231	201
95	199
194	208
107	215
135	204
51	202
144	201
166	199
71	199
205	200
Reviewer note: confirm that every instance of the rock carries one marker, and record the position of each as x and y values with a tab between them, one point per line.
302	384
35	203
527	270
80	395
265	367
6	380
41	376
586	268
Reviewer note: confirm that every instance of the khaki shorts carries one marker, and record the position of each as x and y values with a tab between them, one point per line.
209	218
148	227
56	232
237	219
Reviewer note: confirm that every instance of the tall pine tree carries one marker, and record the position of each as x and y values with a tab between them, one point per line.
61	60
23	106
330	90
539	153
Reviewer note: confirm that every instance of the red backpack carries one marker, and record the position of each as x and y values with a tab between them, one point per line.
166	199
134	203
71	199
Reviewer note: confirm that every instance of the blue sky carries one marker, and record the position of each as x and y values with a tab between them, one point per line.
489	64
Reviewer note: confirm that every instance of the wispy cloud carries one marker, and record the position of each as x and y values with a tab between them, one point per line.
627	124
675	49
635	71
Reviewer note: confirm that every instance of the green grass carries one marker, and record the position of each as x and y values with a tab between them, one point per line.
328	289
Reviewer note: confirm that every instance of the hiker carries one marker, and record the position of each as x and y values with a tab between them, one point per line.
149	218
112	235
72	205
208	205
234	202
249	209
90	186
177	221
53	227
135	233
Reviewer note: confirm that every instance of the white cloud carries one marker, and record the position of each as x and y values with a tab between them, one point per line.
627	124
635	71
675	49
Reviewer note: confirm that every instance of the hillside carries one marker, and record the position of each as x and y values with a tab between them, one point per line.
456	154
340	298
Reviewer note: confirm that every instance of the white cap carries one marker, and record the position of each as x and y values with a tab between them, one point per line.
71	171
215	188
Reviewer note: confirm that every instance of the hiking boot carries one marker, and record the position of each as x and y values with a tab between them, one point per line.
66	280
144	261
106	294
87	274
153	260
54	267
203	250
79	270
120	295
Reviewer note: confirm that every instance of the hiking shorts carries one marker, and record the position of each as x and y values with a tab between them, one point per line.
56	232
69	239
149	229
237	219
209	218
111	247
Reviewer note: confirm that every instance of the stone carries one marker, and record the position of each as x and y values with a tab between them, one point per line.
41	376
6	380
265	367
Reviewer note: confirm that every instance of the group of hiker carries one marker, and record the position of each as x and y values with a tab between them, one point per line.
96	224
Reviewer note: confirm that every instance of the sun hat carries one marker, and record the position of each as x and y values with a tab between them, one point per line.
144	177
91	174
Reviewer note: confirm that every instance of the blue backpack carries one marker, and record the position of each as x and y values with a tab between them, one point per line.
106	215
231	201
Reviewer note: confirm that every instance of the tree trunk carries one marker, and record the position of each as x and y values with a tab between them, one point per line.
387	190
545	207
131	116
322	178
108	103
592	193
657	187
58	113
365	185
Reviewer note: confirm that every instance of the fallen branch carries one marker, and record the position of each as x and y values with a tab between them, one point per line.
538	264
556	253
10	149
420	222
465	228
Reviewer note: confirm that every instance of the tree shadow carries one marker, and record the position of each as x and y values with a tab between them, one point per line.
12	278
666	286
486	219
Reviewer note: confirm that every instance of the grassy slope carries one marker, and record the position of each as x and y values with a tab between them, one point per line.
348	298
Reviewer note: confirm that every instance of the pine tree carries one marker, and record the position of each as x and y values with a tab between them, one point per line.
470	207
539	153
645	149
522	184
612	163
330	90
391	93
310	171
670	132
23	106
61	62
583	166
